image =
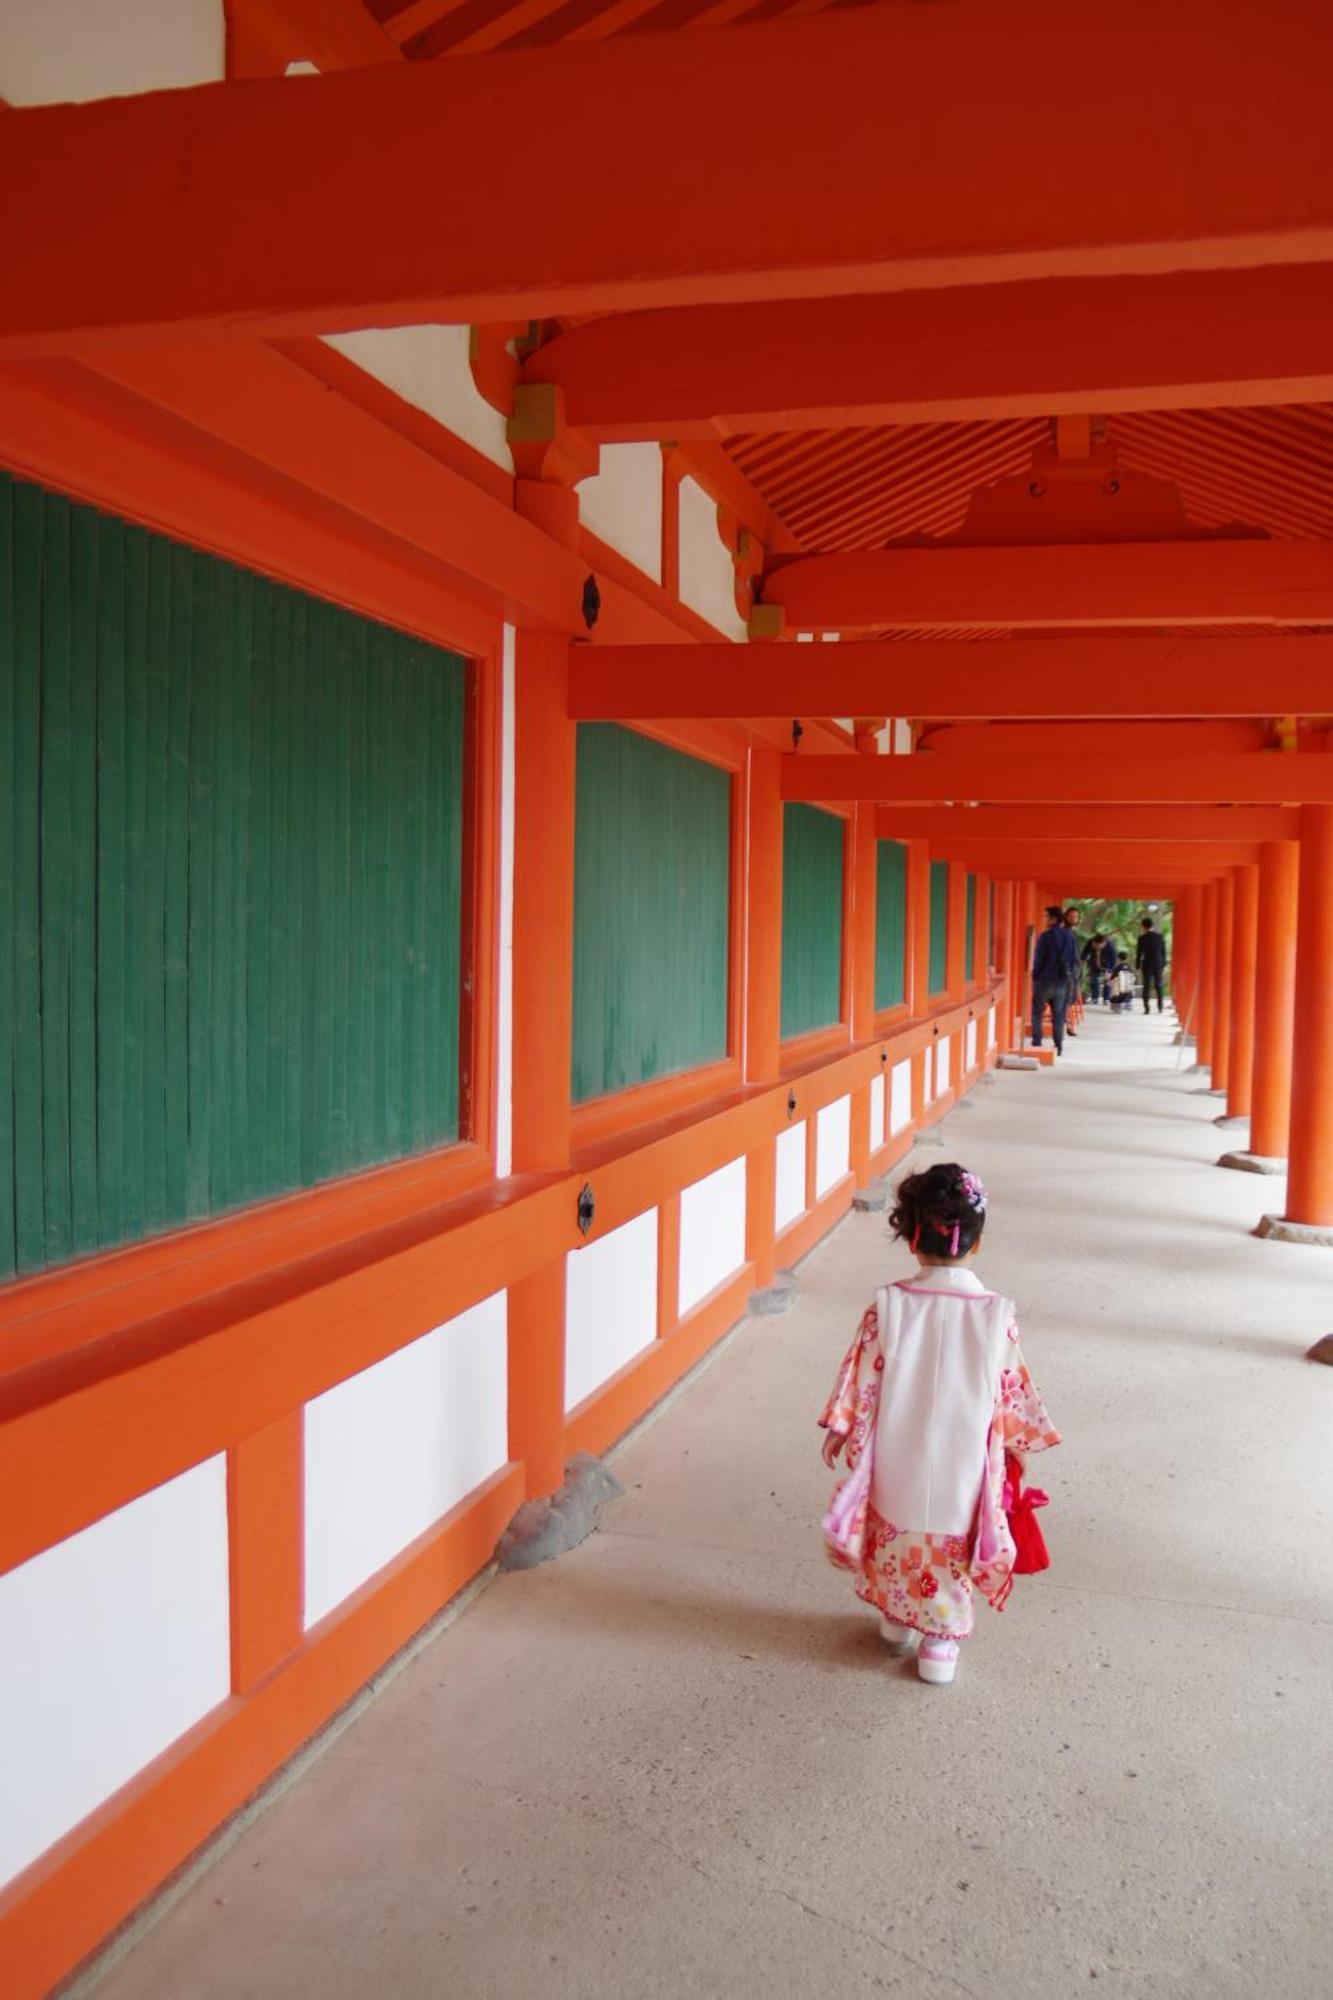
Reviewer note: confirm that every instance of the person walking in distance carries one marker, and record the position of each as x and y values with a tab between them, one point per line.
1150	958
1092	958
1054	971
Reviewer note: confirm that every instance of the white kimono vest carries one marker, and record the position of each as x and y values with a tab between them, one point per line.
943	1351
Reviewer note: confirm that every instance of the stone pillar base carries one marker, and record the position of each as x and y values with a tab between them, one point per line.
1253	1163
1322	1350
933	1137
779	1297
1282	1231
1227	1124
545	1528
871	1200
1019	1062
1206	1090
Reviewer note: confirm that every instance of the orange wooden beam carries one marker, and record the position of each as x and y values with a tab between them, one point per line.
1038	857
1189	339
1097	676
1071	586
243	202
1172	824
263	36
1253	778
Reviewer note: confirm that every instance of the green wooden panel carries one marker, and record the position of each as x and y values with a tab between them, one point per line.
231	853
652	910
937	974
890	923
813	844
970	928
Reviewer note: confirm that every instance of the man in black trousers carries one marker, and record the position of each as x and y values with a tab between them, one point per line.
1150	958
1054	971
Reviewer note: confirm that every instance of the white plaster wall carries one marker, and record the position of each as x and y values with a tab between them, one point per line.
970	1056
928	1073
610	1304
943	1063
712	1233
115	1642
879	1131
428	366
833	1144
990	1028
391	1450
789	1192
707	579
69	51
504	1050
900	1096
623	504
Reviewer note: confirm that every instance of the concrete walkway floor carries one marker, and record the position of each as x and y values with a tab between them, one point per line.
677	1761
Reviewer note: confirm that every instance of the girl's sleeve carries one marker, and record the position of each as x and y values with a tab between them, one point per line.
856	1377
1023	1422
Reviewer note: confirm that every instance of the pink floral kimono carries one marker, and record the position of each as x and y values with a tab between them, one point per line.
917	1576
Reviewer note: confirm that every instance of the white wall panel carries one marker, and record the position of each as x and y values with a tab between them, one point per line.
789	1196
833	1144
971	1046
879	1131
943	1063
623	504
610	1304
990	1028
707	576
900	1097
391	1450
112	1644
712	1233
70	51
429	367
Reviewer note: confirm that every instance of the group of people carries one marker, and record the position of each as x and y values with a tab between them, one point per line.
1058	966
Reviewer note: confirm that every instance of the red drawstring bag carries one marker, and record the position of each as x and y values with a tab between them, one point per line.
1021	1509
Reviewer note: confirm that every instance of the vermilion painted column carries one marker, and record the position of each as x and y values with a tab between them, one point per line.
544	739
1274	999
864	854
763	991
1240	1064
1310	1173
1185	952
1206	962
1226	926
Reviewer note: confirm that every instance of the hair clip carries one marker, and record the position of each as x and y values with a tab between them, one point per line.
953	1242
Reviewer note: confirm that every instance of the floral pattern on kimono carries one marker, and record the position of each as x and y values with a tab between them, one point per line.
918	1579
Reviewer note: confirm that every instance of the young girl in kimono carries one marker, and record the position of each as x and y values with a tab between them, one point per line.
931	1395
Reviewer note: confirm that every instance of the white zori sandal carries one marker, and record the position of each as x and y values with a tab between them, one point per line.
901	1640
937	1661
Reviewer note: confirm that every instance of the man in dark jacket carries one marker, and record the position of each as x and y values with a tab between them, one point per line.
1150	958
1054	971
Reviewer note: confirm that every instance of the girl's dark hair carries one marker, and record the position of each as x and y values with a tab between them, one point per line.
940	1213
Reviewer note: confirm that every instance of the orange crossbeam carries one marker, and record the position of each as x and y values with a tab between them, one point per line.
244	202
1079	585
1191	339
1099	677
941	825
1253	778
1023	859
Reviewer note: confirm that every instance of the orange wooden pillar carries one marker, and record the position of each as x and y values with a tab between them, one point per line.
1240	1063
1310	1173
1187	937
1206	961
544	740
918	957
763	992
861	1010
1274	999
1226	928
